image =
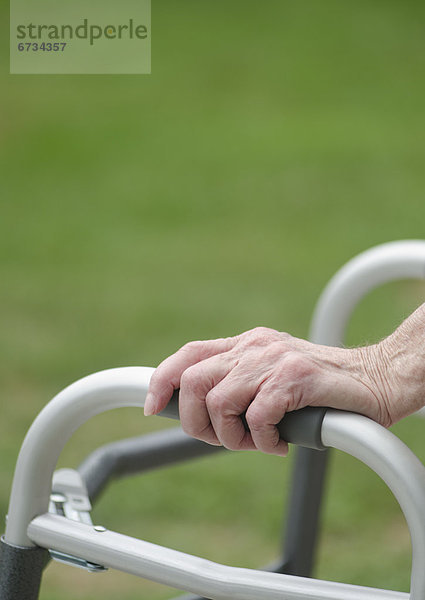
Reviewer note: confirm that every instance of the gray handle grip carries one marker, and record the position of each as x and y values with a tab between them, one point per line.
301	427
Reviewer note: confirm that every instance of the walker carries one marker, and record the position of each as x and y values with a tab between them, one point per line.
49	511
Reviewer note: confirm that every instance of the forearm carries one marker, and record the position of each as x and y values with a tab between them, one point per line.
402	356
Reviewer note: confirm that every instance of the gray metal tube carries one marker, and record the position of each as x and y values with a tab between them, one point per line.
139	454
302	521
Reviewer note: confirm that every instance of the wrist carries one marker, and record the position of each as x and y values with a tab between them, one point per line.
372	366
404	355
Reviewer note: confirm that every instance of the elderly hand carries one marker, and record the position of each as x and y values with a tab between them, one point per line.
267	373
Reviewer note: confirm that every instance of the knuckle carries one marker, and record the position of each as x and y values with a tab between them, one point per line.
255	418
232	445
272	352
217	404
192	347
263	333
259	336
261	330
190	378
192	431
192	428
285	336
188	428
215	399
265	336
269	446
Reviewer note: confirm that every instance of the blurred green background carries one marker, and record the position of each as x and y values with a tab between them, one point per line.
272	142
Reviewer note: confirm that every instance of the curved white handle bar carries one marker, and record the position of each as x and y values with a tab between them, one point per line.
379	265
115	388
39	454
396	464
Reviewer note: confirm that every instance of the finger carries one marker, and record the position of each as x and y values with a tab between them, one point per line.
226	402
166	377
263	414
196	382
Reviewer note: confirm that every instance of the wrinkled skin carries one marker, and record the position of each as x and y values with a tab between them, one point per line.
268	373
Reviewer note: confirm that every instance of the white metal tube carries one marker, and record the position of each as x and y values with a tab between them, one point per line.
396	464
379	265
51	430
186	572
355	434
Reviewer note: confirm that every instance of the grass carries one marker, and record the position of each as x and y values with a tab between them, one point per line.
271	143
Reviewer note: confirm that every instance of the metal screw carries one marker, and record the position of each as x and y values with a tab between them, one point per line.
99	528
58	498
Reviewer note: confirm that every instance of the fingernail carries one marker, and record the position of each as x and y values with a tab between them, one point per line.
149	408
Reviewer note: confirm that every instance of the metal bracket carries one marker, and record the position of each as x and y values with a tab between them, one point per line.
69	498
